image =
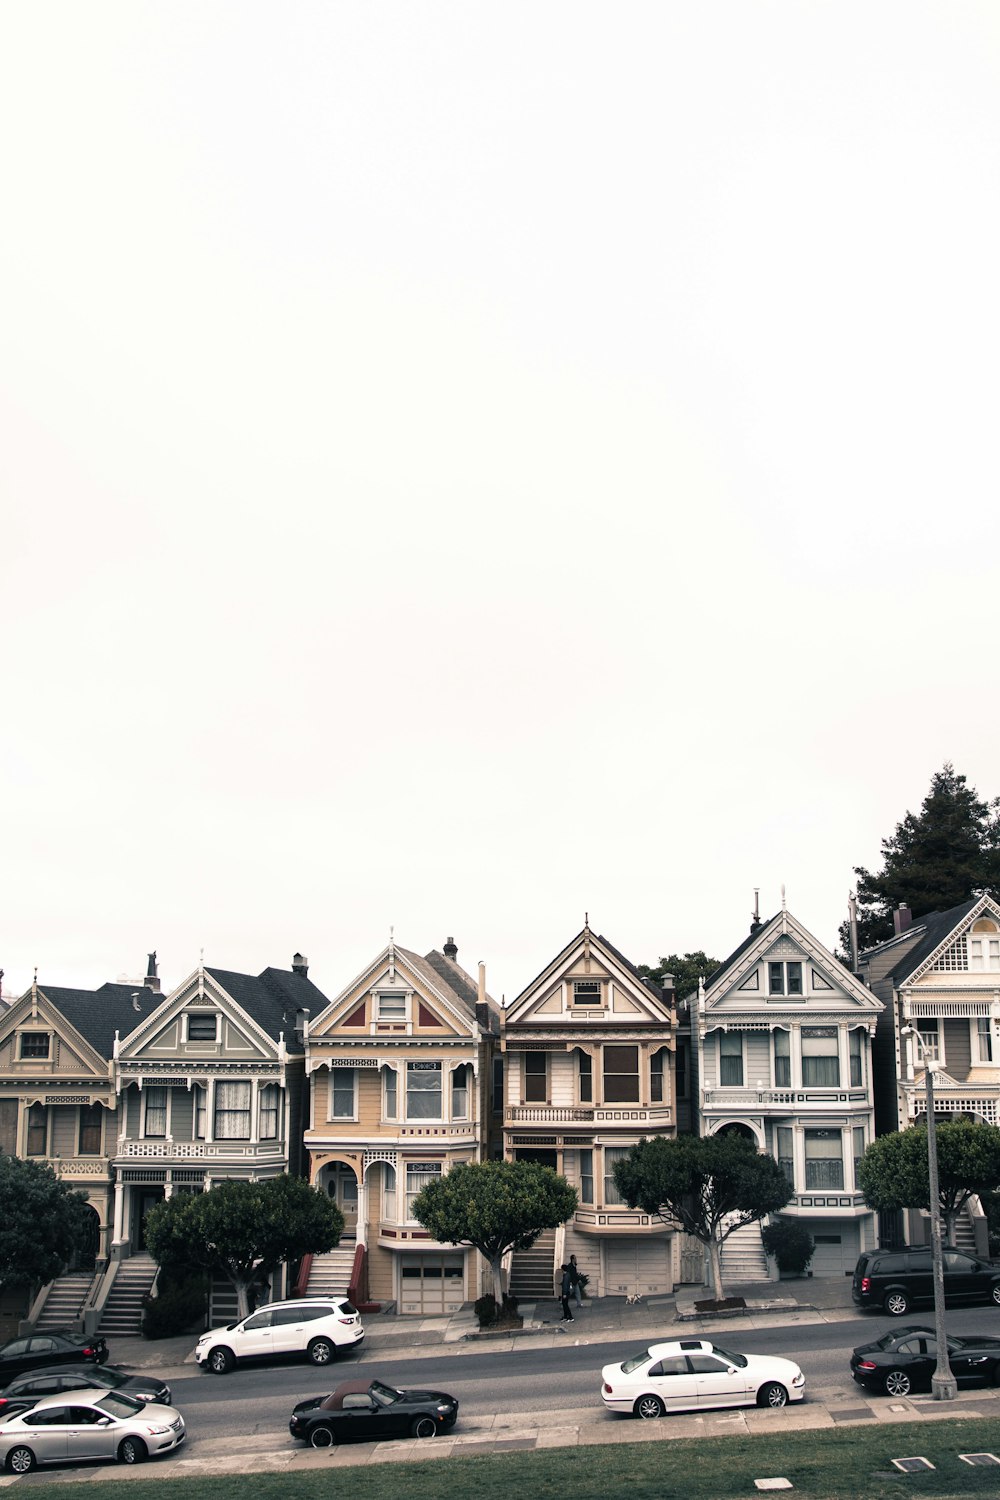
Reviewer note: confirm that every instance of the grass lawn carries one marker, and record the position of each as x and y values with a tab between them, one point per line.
851	1463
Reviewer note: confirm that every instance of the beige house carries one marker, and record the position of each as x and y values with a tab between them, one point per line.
589	1070
400	1073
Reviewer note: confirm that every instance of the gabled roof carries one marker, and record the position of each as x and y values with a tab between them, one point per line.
611	957
272	998
762	940
938	926
737	952
458	985
98	1014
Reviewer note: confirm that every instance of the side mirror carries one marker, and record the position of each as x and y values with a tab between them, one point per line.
104	1422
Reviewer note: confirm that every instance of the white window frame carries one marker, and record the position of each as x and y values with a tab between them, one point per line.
983	1029
393	998
200	1092
159	1135
426	1067
462	1089
389	1182
731	1036
935	1053
390	1072
265	1093
331	1099
612	1197
218	1110
588	987
200	1040
431	1171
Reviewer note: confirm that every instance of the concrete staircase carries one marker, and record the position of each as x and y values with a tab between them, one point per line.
330	1274
532	1272
122	1313
63	1305
965	1235
743	1257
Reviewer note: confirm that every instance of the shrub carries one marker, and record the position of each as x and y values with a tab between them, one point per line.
178	1307
487	1310
790	1243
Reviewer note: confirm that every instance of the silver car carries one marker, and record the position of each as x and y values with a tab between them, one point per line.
77	1426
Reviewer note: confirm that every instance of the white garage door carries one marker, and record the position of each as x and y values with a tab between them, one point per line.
837	1249
432	1284
637	1265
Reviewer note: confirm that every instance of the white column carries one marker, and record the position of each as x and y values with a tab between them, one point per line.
119	1210
254	1122
210	1110
795	1048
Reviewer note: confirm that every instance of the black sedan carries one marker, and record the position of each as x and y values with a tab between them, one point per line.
905	1359
359	1410
44	1349
26	1389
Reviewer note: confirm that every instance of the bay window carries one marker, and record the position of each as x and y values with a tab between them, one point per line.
782	1060
824	1160
341	1093
460	1092
731	1058
423	1091
268	1111
536	1078
611	1155
155	1101
820	1057
621	1075
388	1191
855	1048
586	1176
418	1175
785	1158
390	1093
232	1112
585	1075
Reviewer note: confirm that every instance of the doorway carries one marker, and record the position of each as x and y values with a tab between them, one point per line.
143	1199
342	1186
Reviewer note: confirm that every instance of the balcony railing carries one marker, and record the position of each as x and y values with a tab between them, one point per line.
589	1114
783	1099
168	1150
80	1166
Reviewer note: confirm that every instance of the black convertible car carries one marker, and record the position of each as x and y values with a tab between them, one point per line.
905	1359
39	1349
376	1410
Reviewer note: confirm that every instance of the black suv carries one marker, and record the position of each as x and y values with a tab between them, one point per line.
896	1280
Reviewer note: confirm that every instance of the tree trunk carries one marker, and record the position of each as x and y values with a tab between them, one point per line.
715	1259
949	1224
495	1268
242	1298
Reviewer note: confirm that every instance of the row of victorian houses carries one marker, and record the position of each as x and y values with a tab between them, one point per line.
134	1095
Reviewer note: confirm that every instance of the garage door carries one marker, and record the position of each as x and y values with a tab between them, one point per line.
432	1284
640	1266
837	1249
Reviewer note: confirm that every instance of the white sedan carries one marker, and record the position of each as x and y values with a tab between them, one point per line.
694	1375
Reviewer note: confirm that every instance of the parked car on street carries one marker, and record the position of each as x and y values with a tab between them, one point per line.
363	1409
27	1388
894	1281
905	1359
43	1349
315	1326
83	1425
695	1375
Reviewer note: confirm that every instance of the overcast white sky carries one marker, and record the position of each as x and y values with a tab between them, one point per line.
468	465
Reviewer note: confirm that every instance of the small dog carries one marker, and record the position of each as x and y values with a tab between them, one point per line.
633	1298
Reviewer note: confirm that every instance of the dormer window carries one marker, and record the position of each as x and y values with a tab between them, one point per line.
202	1025
392	1007
984	945
34	1044
586	992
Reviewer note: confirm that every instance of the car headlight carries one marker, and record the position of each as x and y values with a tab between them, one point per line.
798	1379
157	1431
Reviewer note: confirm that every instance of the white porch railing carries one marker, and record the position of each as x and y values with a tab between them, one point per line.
592	1114
198	1150
784	1099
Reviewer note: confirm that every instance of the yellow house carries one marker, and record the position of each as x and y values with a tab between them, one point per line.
400	1074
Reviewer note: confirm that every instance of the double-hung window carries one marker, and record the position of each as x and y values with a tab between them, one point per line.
418	1175
621	1075
585	1065
460	1092
612	1154
200	1110
423	1091
38	1121
820	1057
784	979
156	1111
341	1093
91	1119
858	1134
536	1078
34	1044
268	1101
587	1176
782	1060
390	1093
389	1192
824	1160
586	992
855	1040
786	1160
929	1042
984	1039
232	1111
730	1059
392	1007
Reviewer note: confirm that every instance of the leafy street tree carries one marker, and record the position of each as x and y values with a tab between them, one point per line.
495	1206
42	1222
893	1174
686	971
244	1230
709	1186
936	859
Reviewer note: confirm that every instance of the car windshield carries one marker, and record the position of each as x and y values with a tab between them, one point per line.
117	1404
384	1394
739	1360
629	1365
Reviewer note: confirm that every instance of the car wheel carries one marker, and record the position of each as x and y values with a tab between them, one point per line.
220	1361
995	1293
131	1451
897	1383
772	1395
649	1408
424	1427
20	1460
321	1351
322	1436
897	1304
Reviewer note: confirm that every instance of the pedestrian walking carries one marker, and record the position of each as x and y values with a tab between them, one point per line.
565	1287
574	1280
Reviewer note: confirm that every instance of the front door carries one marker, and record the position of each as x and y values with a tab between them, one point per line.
342	1185
143	1199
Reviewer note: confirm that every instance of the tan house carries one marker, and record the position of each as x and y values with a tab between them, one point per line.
400	1071
589	1070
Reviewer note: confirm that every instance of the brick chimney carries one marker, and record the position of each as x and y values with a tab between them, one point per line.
901	918
300	965
450	950
152	978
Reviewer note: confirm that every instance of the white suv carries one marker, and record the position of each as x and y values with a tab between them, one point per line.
316	1326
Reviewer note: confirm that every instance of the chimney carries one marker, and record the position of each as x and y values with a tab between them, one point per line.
301	1024
450	950
901	918
667	984
152	979
482	983
756	924
300	965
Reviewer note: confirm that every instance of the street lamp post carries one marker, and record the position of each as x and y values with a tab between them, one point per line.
944	1386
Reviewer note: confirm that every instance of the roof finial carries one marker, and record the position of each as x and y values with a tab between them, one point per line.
783	906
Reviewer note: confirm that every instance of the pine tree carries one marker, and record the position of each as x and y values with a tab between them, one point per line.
936	859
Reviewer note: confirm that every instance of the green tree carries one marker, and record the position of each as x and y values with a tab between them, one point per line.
936	859
709	1186
686	971
495	1206
42	1222
244	1230
893	1174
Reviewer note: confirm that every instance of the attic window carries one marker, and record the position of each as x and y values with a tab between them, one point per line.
586	992
392	1007
202	1026
34	1044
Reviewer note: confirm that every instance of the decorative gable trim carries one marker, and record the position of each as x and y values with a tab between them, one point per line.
781	929
205	991
986	903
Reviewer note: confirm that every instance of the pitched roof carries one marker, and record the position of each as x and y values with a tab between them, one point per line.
272	998
444	973
98	1014
737	952
936	925
626	963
